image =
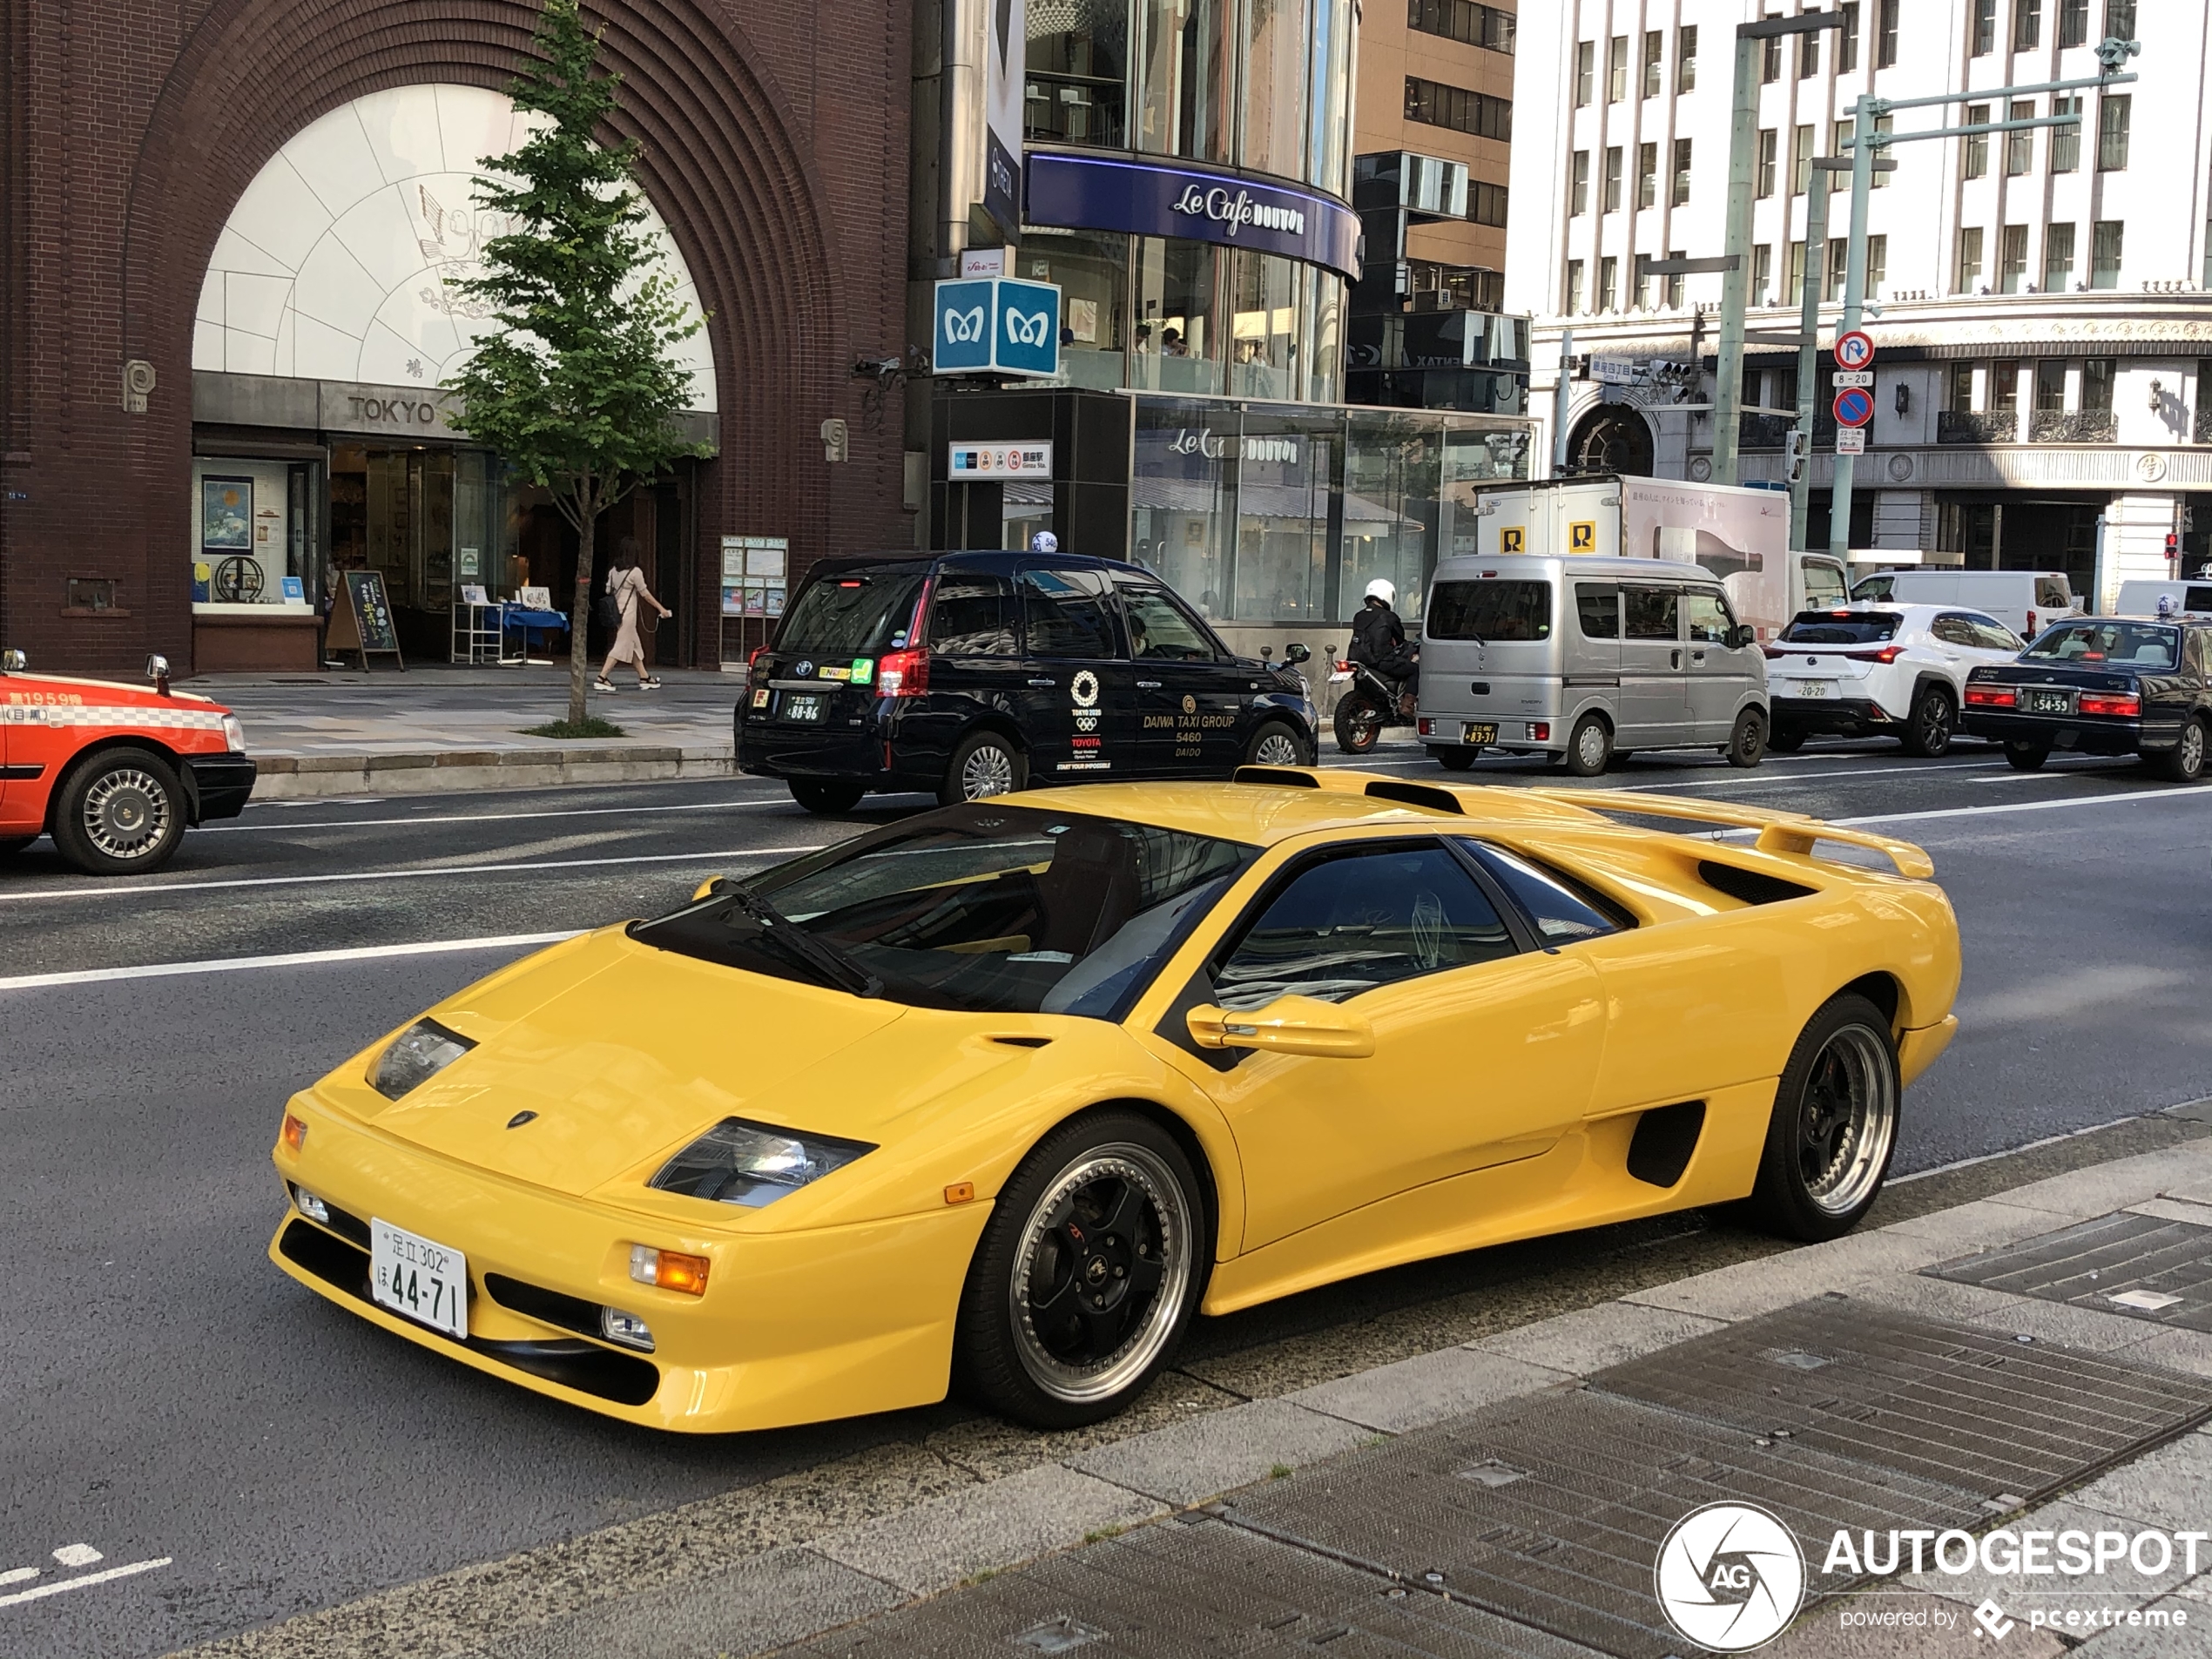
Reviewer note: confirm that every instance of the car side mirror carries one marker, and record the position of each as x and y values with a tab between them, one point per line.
1742	635
13	662
1288	1025
1295	654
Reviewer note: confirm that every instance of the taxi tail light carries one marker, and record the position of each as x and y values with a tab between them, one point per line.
1992	697
2126	705
668	1270
902	673
752	658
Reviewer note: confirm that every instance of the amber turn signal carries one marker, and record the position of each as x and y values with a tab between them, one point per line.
961	1192
295	1131
670	1270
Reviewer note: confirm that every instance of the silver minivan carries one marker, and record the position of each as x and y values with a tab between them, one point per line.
1586	660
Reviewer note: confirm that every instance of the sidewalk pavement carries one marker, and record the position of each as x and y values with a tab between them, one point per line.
1955	1368
432	729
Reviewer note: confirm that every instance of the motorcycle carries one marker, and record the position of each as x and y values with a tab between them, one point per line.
1369	703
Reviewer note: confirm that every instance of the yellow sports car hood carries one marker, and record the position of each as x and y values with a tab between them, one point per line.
623	1052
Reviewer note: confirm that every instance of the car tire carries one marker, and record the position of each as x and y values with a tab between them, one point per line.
1930	725
2186	764
1358	723
1781	740
2025	756
1109	1201
1747	740
1459	758
1589	746
1277	744
120	812
1833	1128
827	796
984	764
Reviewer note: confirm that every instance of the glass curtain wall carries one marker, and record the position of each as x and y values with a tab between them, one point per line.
1177	347
1288	481
1328	146
1092	271
1078	72
1185	79
1277	48
1264	357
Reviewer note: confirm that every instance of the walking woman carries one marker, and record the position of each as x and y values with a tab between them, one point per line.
626	588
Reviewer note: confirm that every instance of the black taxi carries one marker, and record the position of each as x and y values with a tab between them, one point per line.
969	674
2101	685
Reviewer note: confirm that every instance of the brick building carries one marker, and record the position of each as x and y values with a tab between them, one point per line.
227	231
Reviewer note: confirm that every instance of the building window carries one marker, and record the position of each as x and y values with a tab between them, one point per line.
1762	272
1612	200
1885	34
1077	77
1985	28
2113	115
1675	283
2050	386
1796	291
2019	147
1486	202
1771	60
1647	175
1882	124
1585	71
2073	23
1642	284
1435	104
1958	388
1653	71
1176	301
1847	44
1679	196
1686	58
1878	266
1969	260
1616	68
1770	144
1808	56
2005	386
2066	141
1578	184
1185	75
2097	375
1838	269
1573	287
2108	237
1609	283
2012	269
1801	161
2028	25
1464	20
2058	258
2120	19
1976	143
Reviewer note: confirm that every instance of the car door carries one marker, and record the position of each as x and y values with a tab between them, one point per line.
1483	1053
1655	696
1190	694
1718	673
1077	710
977	664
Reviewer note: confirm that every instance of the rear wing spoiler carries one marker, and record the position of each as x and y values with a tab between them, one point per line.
1786	833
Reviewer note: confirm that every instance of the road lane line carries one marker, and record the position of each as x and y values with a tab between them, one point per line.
64	1585
116	892
498	817
2010	807
291	959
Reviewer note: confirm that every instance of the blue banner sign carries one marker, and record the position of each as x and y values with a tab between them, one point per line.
1099	193
997	325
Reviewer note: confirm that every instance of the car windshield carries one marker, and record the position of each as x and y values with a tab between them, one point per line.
984	907
1841	628
858	613
1490	610
2119	643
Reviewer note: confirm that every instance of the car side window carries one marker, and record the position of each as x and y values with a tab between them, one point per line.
1158	629
1710	620
1597	610
1561	907
1823	584
2198	648
974	613
1992	635
1650	611
1953	629
2197	599
1067	614
2051	594
1357	920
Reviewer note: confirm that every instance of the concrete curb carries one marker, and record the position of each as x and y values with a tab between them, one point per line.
304	777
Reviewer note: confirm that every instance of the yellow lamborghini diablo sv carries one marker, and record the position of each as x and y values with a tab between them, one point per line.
997	1098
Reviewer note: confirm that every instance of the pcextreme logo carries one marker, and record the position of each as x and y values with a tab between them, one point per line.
1729	1577
964	326
1026	327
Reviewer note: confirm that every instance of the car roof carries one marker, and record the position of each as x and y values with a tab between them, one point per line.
979	558
1535	564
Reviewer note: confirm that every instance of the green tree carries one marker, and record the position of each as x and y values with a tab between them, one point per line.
575	383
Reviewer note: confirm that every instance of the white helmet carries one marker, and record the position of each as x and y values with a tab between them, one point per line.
1383	590
1045	541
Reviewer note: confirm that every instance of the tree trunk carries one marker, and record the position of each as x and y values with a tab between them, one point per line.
580	616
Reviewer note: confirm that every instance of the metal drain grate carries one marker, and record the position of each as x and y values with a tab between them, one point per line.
1975	1410
2141	1266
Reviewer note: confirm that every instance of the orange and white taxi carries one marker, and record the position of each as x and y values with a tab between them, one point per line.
115	773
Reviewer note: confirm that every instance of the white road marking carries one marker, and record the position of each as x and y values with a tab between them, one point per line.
292	959
115	891
61	1586
78	1555
498	818
17	1574
2014	806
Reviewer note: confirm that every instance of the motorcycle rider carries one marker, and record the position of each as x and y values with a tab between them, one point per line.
1379	641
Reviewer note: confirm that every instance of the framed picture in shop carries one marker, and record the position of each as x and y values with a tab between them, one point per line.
227	514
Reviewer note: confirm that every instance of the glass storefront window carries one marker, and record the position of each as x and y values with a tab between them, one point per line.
1184	78
1264	357
1285	474
1276	53
1322	329
1328	143
252	533
1183	497
1092	271
1078	68
1392	473
1475	460
1176	347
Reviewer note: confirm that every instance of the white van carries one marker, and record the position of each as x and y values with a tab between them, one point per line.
2189	598
2025	601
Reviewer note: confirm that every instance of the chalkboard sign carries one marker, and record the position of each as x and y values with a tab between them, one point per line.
361	621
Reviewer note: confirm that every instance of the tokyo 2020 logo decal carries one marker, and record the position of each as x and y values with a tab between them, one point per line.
1729	1577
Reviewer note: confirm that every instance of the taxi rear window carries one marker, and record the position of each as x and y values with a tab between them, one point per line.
1491	610
852	613
1840	628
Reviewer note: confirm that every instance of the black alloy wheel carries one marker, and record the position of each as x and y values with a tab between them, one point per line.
1747	742
2025	756
1928	728
1589	747
1834	1124
985	764
120	812
1459	757
1784	741
825	795
2185	765
1088	1274
1277	744
1359	722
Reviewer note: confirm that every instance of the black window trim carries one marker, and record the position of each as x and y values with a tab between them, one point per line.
1624	921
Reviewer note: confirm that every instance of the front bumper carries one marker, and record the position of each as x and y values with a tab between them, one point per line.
1845	717
218	785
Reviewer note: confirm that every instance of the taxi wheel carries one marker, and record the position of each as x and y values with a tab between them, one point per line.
121	812
1834	1124
2186	764
827	795
1276	744
986	763
1747	742
1086	1275
1460	758
1589	751
2025	756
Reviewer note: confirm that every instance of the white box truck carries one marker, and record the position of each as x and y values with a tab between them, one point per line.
1740	535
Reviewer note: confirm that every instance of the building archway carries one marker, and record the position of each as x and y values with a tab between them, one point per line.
1612	438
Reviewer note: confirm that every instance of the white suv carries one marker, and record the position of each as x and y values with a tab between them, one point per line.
1872	670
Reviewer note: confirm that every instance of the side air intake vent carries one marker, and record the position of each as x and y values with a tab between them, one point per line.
1428	795
1279	776
1752	887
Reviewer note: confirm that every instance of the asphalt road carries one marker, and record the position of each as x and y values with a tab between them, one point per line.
166	1397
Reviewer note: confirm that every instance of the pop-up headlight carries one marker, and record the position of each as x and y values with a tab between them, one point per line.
753	1164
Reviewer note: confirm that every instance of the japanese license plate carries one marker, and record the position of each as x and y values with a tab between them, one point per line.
2033	702
802	706
1816	688
1472	733
427	1282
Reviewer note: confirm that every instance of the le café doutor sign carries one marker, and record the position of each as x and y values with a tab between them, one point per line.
1110	193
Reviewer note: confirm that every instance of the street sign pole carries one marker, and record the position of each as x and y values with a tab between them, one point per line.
1808	350
1862	179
